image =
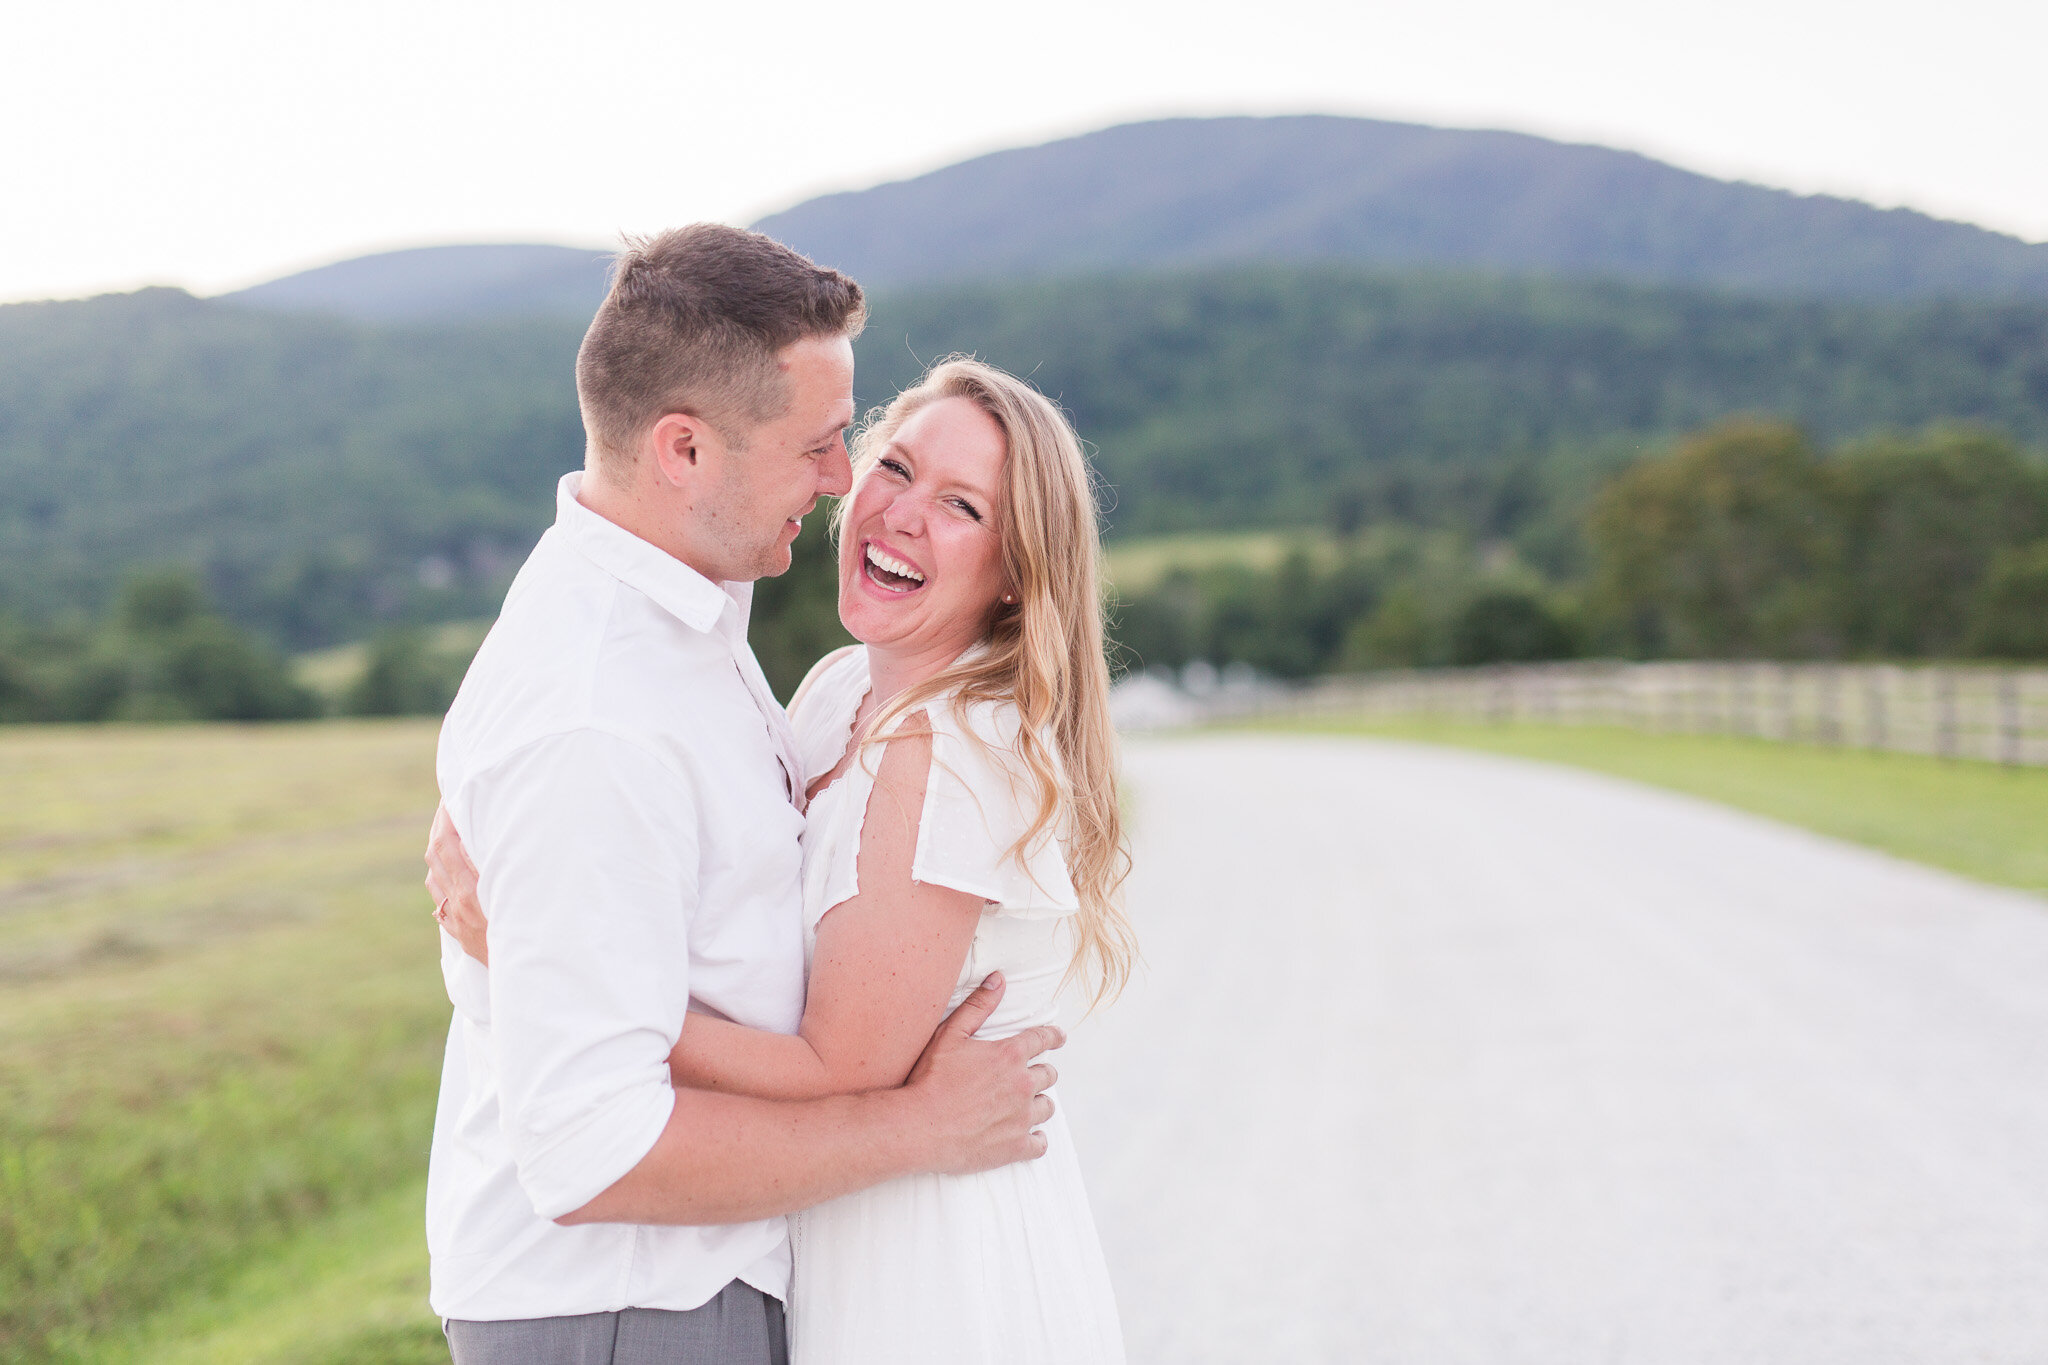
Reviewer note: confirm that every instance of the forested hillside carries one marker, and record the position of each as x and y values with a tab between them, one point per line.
330	476
1276	397
325	475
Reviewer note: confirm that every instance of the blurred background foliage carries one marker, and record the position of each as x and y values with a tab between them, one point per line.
1744	541
1466	467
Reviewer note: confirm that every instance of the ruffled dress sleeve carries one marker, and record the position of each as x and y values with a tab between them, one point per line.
979	801
821	713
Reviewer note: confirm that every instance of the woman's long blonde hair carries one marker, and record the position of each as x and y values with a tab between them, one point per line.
1045	652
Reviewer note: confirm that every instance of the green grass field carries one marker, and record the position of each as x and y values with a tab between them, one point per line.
220	1037
1978	819
1136	565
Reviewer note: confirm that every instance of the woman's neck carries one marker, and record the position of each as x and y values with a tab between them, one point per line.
895	669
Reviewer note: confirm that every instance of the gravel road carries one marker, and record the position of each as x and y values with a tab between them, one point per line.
1443	1058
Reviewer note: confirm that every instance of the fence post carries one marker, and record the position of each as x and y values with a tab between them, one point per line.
2009	736
1874	728
1945	730
1829	707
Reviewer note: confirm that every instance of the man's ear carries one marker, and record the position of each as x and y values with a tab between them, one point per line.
676	441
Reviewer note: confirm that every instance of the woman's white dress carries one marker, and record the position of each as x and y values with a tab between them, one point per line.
998	1267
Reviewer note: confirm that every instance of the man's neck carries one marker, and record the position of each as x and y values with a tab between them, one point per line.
638	512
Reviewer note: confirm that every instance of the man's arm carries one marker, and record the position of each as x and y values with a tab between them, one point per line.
969	1106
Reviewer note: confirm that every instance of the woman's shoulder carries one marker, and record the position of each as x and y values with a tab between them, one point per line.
987	729
983	802
992	729
830	674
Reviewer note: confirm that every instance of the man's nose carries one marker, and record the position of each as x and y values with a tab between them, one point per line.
835	472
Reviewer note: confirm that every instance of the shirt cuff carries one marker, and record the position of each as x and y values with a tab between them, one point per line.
587	1159
468	981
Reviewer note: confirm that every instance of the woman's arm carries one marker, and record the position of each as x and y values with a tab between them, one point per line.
881	978
884	969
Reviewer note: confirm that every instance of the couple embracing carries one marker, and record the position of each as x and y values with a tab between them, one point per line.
713	965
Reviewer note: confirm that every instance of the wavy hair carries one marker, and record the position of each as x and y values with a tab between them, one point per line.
1044	654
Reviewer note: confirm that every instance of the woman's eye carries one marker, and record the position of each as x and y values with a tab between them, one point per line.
967	507
894	468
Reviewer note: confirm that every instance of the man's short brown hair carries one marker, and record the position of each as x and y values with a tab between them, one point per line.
693	323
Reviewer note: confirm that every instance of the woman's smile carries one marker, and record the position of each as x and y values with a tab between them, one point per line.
892	573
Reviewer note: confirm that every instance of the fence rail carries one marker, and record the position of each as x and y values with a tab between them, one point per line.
1994	713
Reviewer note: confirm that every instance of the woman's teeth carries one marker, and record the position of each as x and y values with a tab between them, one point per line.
891	572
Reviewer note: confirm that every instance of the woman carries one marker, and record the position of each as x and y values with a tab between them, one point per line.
963	819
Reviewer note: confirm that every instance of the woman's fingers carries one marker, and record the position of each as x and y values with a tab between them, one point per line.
1043	1077
1041	1109
444	846
452	882
464	919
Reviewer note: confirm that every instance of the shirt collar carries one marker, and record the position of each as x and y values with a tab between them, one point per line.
674	586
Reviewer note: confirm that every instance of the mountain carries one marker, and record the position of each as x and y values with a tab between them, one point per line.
1180	192
443	282
329	475
1195	192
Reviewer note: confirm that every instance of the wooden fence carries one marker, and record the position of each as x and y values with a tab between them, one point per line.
1952	711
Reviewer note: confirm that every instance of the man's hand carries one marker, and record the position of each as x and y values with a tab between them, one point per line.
979	1102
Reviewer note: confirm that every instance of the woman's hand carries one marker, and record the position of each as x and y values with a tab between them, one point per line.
452	882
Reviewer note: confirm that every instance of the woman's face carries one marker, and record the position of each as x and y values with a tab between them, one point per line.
920	559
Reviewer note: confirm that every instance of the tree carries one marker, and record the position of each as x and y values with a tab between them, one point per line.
406	676
1923	521
157	603
1395	635
166	655
1728	547
2010	616
1509	625
1160	626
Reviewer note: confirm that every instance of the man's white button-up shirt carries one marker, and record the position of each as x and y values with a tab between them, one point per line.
628	788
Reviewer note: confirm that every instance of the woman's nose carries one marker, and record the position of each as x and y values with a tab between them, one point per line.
904	514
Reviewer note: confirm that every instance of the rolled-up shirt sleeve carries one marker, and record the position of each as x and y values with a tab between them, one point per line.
586	846
468	983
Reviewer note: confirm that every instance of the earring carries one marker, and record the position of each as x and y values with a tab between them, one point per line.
1009	599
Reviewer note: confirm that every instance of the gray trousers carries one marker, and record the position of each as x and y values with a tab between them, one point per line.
740	1325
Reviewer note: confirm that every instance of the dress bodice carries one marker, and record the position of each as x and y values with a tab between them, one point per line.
978	806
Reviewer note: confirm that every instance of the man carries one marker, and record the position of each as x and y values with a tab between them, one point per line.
631	794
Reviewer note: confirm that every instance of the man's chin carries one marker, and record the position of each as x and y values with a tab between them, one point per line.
775	563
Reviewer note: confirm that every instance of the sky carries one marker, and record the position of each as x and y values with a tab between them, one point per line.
217	143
